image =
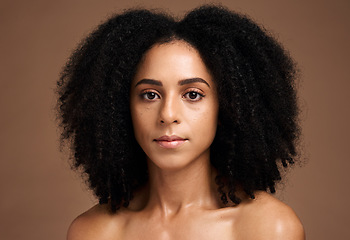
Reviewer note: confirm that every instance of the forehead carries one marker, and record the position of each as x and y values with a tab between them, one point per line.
175	60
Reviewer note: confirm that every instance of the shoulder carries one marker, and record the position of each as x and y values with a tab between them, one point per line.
268	218
96	223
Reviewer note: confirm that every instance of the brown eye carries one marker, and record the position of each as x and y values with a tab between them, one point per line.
193	96
150	95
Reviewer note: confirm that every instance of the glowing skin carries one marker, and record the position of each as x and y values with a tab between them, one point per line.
174	106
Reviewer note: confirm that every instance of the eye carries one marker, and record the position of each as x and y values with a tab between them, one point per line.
150	95
194	96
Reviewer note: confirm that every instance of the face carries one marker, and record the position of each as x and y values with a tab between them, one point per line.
174	106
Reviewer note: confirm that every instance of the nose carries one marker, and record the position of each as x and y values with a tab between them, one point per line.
170	111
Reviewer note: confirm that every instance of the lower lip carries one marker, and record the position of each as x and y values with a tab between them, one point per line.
170	144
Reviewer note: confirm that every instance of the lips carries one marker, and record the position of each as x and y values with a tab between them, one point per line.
170	141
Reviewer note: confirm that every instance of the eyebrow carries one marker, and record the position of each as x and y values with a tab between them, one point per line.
149	81
181	82
193	80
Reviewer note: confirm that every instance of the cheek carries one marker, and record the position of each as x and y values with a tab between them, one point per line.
136	115
141	120
136	118
204	121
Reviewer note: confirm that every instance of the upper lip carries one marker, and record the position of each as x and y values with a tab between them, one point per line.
169	138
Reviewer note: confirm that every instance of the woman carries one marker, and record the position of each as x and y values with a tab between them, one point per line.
181	127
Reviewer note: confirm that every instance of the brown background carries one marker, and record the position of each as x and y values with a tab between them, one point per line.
40	196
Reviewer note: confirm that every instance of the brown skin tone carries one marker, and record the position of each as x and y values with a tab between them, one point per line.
173	94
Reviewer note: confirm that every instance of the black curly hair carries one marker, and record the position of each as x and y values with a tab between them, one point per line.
255	80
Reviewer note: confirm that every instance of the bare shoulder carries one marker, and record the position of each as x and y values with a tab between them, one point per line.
96	223
268	218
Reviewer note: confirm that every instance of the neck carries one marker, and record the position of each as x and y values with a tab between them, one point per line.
173	191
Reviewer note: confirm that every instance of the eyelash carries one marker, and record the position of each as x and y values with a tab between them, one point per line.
200	94
144	95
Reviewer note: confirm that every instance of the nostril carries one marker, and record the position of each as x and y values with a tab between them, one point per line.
175	121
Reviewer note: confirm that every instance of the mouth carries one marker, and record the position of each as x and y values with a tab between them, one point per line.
170	141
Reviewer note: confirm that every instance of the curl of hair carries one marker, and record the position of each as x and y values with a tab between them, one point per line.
255	83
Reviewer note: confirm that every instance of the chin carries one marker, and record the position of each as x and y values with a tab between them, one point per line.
176	161
168	163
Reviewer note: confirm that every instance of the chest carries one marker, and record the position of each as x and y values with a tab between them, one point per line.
202	228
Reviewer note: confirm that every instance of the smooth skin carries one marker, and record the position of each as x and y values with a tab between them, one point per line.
174	94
